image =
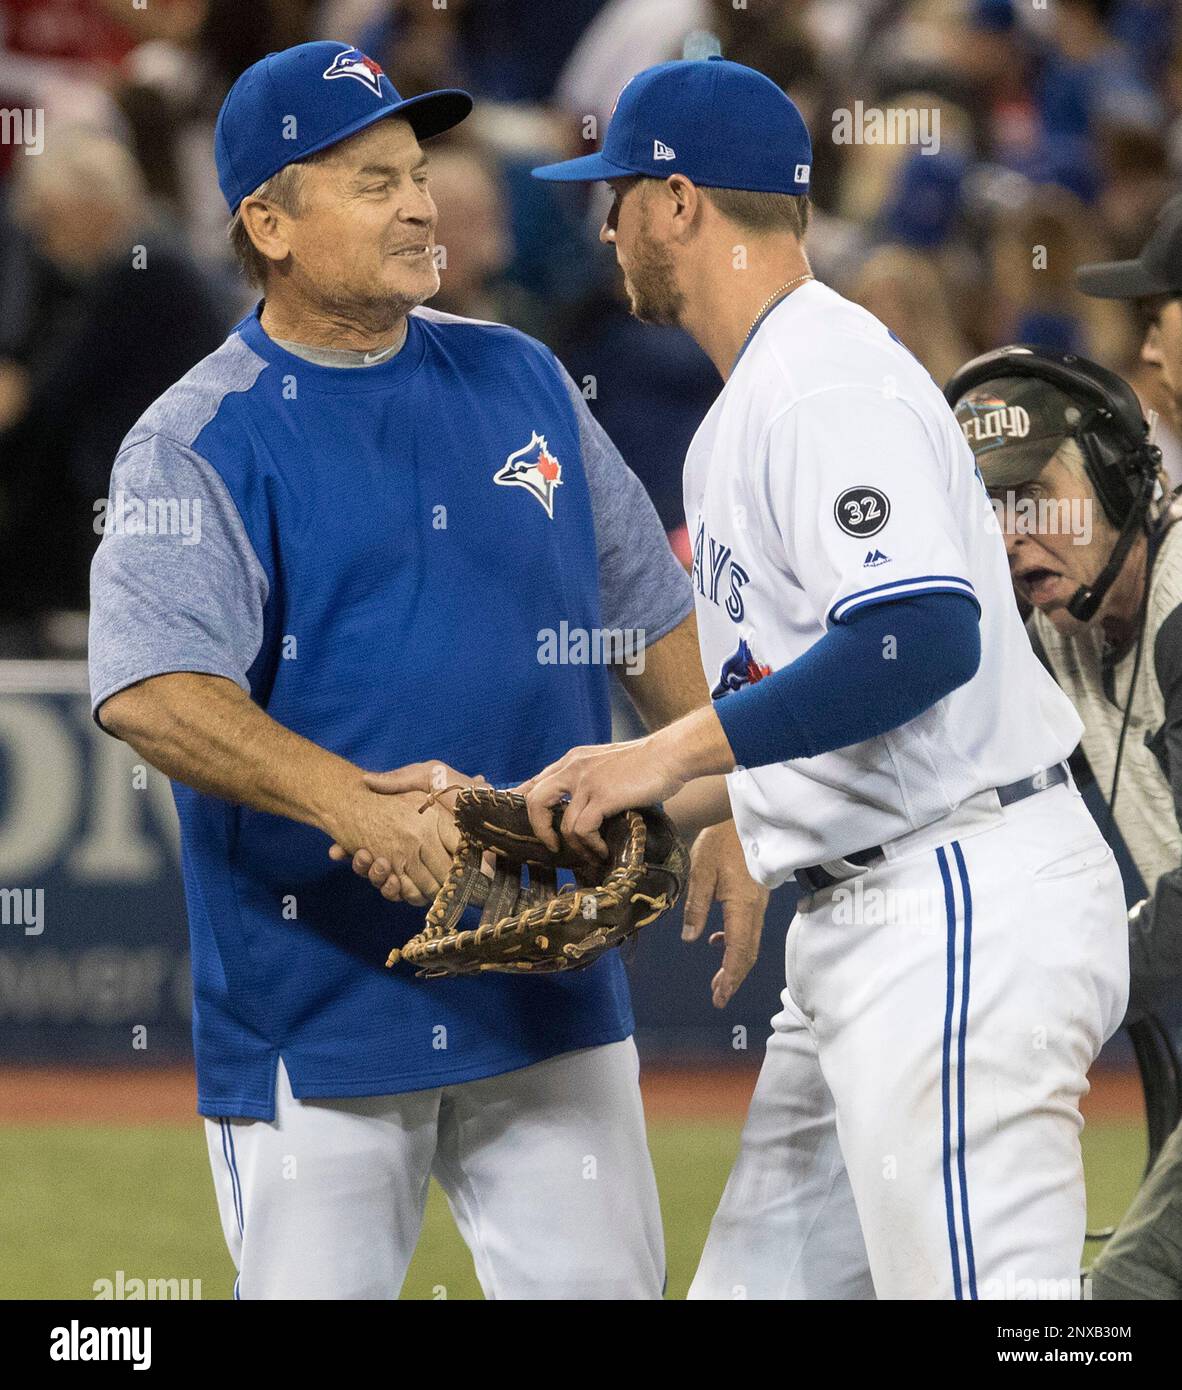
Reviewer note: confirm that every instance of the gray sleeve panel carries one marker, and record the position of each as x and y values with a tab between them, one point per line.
175	584
185	409
641	583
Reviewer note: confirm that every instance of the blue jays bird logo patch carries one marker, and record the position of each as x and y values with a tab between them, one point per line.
534	468
353	63
738	670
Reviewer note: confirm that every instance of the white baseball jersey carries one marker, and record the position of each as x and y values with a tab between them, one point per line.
831	474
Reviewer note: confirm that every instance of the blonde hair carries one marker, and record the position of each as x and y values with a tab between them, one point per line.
762	212
1071	457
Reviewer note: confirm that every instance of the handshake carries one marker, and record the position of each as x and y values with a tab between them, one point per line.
400	832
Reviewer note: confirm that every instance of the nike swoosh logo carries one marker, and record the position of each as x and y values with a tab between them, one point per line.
371	357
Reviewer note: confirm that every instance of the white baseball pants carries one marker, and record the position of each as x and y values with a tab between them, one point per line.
914	1133
546	1170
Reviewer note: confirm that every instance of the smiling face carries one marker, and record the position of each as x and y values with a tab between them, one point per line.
362	244
649	278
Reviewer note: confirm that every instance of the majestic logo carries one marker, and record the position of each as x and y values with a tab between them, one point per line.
875	557
738	670
663	151
534	468
802	174
862	511
353	63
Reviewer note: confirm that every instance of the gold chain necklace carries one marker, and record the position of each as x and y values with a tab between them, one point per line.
779	294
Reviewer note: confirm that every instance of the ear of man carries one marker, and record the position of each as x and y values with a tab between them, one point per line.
674	205
256	229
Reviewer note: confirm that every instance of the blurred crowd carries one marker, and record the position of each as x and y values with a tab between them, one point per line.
1034	135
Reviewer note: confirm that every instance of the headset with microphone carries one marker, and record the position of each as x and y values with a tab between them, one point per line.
1122	463
1114	439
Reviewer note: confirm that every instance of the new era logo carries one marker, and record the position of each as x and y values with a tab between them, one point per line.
662	151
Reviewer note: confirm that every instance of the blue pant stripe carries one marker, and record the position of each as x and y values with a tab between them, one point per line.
961	1065
946	1068
237	1179
227	1142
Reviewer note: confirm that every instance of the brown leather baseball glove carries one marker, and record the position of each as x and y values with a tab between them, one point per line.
535	925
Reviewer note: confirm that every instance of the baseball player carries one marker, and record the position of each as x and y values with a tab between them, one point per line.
959	954
394	506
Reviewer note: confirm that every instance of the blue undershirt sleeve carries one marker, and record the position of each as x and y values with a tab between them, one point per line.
878	670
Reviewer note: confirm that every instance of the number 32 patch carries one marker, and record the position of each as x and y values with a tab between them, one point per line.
862	511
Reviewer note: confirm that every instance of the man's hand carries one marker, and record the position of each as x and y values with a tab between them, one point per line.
600	780
403	846
718	870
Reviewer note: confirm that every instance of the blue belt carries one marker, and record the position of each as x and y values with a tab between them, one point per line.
812	880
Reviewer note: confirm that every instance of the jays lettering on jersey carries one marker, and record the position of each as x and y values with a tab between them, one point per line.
830	475
380	549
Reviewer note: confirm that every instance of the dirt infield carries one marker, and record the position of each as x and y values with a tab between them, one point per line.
54	1095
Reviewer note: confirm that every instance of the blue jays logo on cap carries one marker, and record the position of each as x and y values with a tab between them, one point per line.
288	105
353	63
738	670
534	468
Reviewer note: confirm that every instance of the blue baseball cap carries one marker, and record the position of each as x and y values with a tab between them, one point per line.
719	123
289	105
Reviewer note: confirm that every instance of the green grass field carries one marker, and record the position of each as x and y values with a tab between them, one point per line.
81	1203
